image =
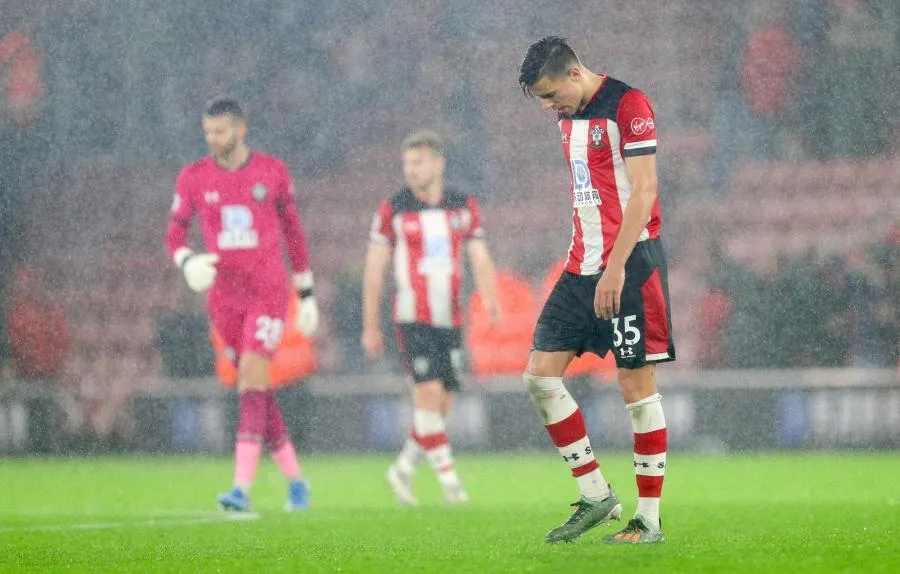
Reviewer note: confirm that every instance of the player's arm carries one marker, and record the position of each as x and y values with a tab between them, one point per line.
635	116
482	263
485	276
295	240
641	172
199	268
378	258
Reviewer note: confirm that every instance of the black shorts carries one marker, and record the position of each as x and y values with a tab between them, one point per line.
431	353
639	335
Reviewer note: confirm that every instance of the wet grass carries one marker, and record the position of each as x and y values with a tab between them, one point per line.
790	512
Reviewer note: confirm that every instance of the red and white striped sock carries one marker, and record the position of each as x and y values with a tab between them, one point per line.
650	443
410	455
565	425
431	435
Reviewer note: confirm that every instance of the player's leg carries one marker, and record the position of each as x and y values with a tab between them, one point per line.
265	320
227	316
431	434
252	386
448	361
642	401
564	422
641	336
565	326
284	454
400	474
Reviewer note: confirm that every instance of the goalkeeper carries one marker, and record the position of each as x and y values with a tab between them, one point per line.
244	201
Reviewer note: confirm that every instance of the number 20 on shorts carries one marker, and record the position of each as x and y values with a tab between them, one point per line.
268	331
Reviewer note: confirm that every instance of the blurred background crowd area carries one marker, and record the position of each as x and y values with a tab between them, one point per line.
778	161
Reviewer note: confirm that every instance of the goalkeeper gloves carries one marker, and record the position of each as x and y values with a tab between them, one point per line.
307	319
199	268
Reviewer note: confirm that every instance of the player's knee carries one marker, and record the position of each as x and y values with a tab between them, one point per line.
429	395
542	387
253	373
637	384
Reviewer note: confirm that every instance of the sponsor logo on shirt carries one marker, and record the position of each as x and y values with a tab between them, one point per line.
640	126
237	228
583	192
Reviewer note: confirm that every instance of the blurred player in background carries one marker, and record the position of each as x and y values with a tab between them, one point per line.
423	228
244	200
612	295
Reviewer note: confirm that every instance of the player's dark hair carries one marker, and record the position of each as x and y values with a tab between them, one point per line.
223	106
424	138
549	57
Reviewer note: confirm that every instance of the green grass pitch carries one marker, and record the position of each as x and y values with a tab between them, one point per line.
786	512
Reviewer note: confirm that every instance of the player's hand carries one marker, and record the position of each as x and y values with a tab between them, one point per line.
373	343
307	320
200	270
608	294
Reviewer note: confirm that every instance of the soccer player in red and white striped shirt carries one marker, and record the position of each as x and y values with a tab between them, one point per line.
423	229
612	295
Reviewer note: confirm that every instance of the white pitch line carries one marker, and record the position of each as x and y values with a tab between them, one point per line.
220	517
149	512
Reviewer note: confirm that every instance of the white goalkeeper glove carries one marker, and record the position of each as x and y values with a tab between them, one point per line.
307	320
199	268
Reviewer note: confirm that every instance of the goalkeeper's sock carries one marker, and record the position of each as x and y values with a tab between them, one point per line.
251	426
278	440
431	435
286	459
410	455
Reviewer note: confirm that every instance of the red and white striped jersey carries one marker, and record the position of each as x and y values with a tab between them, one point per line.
617	123
427	242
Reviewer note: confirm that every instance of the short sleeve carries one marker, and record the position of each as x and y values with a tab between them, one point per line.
382	225
476	231
637	124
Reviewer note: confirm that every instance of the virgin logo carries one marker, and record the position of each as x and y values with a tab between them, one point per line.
639	126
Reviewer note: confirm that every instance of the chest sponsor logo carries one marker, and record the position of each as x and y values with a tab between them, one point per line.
583	192
237	228
211	196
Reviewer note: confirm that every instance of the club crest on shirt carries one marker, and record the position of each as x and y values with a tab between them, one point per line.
596	137
259	192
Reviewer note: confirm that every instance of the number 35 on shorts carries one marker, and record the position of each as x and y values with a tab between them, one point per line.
268	331
625	335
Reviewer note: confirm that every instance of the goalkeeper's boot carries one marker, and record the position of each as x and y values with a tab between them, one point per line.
235	500
401	484
587	515
636	532
298	496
